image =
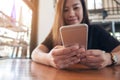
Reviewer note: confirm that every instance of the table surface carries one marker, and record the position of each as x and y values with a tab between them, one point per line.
26	69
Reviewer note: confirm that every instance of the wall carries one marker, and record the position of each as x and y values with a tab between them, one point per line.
45	20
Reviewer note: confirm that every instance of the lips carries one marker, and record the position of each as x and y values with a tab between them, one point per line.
72	20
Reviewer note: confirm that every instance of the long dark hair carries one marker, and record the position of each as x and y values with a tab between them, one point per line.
85	13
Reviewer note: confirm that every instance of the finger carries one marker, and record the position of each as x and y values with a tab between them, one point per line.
91	64
80	52
74	47
62	51
57	47
72	60
95	65
94	52
65	56
94	59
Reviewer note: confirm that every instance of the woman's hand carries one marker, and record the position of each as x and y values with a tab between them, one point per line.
61	57
95	59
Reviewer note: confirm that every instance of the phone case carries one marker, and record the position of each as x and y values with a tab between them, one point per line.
74	34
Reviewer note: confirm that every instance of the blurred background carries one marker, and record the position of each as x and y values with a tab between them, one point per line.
25	23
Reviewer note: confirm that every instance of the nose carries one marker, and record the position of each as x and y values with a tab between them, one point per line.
71	13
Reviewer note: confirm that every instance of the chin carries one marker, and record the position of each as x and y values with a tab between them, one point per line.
75	23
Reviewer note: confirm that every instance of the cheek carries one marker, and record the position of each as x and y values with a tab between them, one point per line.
65	16
80	16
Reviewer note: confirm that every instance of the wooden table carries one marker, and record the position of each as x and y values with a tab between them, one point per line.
25	69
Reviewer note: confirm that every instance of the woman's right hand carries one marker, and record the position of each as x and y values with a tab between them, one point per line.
61	57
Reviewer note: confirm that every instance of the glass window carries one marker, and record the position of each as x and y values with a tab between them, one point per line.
94	4
15	24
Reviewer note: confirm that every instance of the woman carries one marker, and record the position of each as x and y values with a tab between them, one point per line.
103	49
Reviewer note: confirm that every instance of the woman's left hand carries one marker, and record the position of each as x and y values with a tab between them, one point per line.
95	59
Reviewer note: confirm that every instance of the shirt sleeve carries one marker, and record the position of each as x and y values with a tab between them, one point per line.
106	41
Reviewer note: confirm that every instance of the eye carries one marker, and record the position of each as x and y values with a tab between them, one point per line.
75	8
65	10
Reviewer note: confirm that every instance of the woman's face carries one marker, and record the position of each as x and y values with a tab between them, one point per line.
73	12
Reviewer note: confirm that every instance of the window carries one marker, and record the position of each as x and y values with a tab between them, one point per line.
94	4
19	15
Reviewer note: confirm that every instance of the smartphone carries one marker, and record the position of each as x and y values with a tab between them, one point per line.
74	34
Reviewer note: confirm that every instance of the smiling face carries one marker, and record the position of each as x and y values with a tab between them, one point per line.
72	12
